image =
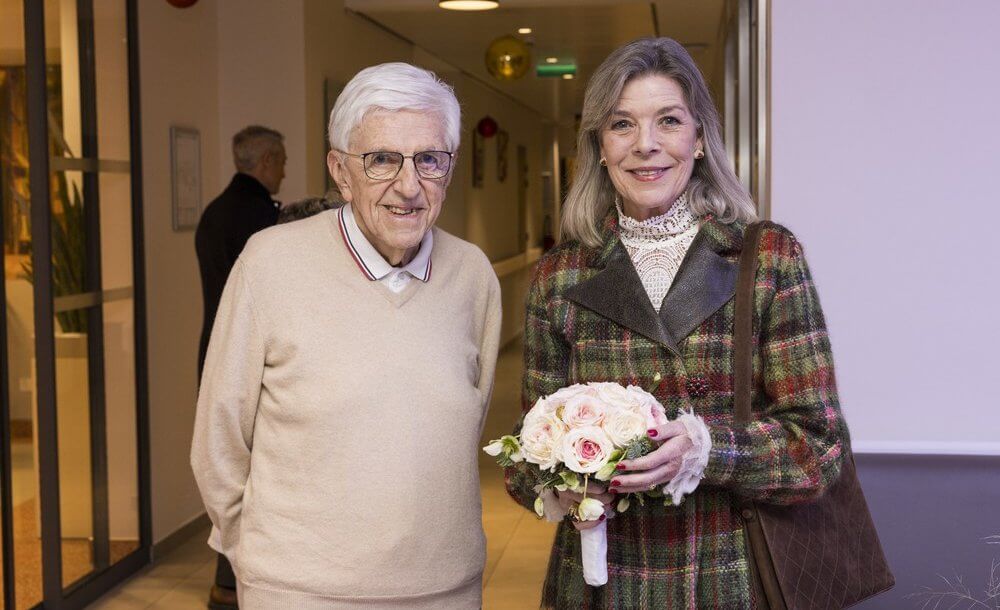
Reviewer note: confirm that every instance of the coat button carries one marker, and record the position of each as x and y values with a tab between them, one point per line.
747	514
697	386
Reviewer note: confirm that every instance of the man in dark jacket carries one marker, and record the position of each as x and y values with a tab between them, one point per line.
244	208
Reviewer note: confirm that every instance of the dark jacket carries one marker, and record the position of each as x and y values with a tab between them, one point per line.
244	208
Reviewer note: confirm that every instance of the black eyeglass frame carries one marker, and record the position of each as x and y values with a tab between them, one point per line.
364	162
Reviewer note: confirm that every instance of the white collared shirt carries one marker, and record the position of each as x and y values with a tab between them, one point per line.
373	265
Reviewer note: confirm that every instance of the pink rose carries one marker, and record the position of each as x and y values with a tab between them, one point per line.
586	450
584	410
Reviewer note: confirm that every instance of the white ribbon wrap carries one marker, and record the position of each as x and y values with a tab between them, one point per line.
594	554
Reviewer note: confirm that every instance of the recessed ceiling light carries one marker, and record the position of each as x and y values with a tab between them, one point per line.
551	60
567	77
523	30
468	5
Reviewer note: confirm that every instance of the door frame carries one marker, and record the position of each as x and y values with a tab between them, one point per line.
104	576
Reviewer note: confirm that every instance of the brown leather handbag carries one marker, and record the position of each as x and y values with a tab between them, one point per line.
823	554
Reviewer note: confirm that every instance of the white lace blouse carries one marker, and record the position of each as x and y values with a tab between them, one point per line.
657	245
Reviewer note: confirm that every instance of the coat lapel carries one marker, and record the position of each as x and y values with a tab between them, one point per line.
617	293
705	282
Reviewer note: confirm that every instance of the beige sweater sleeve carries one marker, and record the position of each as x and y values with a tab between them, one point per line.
227	406
489	346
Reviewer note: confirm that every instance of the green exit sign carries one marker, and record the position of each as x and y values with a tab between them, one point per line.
556	69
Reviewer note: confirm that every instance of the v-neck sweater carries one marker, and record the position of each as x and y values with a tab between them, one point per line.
337	431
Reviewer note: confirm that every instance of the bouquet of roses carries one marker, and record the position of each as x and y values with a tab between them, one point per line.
574	435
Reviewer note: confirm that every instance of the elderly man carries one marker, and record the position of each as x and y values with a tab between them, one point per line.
242	209
349	373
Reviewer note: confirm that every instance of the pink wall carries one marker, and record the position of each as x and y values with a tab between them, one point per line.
886	153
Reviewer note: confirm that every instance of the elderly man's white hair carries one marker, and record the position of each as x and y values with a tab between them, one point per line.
394	86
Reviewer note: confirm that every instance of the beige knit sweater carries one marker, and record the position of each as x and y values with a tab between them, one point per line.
336	438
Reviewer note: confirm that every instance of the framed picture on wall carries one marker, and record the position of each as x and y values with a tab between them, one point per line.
185	177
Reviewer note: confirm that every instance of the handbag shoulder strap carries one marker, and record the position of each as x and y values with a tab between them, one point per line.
743	331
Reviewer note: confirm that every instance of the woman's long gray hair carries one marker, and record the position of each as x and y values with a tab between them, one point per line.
713	188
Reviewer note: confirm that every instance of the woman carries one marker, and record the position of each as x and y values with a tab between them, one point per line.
349	371
641	293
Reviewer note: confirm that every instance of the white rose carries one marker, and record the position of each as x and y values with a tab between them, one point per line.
590	509
616	396
541	439
624	426
561	396
586	450
650	408
584	410
540	408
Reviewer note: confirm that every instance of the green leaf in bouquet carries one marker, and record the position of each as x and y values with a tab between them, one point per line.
608	470
639	447
539	507
511	447
570	481
506	449
623	504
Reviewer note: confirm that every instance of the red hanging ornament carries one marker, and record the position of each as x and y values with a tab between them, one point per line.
487	127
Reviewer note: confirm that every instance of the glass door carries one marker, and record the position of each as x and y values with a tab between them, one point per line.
75	502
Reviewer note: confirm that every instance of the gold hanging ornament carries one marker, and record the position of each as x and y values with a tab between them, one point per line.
508	58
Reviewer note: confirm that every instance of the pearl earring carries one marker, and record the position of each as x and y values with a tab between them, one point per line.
699	154
604	162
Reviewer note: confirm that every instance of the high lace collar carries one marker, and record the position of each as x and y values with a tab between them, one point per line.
657	246
677	220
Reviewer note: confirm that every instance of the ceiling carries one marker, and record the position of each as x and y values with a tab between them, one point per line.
584	30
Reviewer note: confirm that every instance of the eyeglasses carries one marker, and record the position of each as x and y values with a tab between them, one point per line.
385	165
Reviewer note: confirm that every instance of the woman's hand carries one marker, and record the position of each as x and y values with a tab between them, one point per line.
569	499
657	467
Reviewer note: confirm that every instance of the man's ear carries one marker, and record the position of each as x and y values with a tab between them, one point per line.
339	174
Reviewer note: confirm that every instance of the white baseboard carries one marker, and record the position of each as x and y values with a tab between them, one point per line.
927	447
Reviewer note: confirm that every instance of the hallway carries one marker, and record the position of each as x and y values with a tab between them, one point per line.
517	544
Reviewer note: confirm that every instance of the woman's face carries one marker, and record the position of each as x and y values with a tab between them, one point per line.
649	143
393	214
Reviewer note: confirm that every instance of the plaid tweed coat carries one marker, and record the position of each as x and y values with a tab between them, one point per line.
589	319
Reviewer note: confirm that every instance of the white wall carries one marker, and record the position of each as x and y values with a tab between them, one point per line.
178	55
261	80
491	212
338	45
885	157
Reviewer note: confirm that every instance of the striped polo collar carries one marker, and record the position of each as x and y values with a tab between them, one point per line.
368	259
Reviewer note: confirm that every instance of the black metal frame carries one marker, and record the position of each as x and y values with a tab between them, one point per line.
103	576
6	516
93	283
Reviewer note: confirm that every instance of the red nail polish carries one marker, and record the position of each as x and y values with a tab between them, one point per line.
620	466
651	432
615	483
603	517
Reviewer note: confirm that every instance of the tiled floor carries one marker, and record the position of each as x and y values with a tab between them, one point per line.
517	544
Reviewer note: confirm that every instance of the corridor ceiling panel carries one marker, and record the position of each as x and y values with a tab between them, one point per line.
584	31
